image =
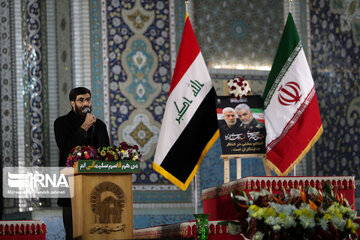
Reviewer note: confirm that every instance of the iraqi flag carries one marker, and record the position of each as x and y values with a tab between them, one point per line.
292	116
189	127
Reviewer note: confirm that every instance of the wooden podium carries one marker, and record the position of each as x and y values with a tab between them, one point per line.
102	204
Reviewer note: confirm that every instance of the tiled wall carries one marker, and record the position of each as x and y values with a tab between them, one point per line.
335	67
133	45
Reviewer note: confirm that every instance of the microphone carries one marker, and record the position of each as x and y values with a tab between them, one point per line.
87	110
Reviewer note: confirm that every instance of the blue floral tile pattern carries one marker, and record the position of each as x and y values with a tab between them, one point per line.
139	75
335	68
228	33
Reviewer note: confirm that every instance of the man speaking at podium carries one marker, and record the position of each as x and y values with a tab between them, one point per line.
78	128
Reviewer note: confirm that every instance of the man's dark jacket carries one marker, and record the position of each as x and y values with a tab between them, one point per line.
69	134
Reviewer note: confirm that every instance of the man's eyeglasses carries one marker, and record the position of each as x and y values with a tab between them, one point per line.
81	100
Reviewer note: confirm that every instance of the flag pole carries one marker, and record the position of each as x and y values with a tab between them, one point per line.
186	6
290	1
195	193
195	177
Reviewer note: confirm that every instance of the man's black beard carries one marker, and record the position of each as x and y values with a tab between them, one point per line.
80	112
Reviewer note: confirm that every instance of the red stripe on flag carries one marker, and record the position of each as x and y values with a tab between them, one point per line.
188	51
286	152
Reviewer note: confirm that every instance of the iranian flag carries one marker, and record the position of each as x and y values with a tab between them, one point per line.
292	117
189	127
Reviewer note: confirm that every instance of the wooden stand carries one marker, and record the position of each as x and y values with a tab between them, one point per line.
238	157
102	206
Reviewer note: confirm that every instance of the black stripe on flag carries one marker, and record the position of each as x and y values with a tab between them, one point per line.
186	151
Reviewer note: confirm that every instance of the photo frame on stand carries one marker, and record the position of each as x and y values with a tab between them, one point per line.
242	130
241	124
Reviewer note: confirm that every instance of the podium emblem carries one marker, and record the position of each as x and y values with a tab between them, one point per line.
107	201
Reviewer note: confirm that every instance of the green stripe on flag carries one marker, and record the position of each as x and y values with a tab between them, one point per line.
288	49
257	110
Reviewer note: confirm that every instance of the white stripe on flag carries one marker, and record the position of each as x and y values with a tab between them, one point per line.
183	95
280	115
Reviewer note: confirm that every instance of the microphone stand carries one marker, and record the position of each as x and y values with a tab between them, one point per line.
92	135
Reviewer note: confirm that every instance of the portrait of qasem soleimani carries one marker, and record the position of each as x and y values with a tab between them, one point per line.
241	125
